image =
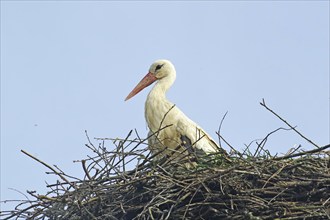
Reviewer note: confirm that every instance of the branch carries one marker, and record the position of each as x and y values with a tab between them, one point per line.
223	118
263	142
319	149
49	167
293	128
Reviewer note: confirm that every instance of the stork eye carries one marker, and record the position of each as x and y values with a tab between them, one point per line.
159	66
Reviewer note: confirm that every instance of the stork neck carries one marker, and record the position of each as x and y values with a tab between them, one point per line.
162	86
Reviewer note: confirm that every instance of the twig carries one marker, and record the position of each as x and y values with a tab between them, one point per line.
275	174
302	153
231	147
293	128
16	190
263	142
161	122
222	120
83	163
18	213
49	167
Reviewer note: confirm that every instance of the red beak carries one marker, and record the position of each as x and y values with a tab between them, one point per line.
145	82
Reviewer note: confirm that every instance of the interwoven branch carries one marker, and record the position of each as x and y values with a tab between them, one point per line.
124	181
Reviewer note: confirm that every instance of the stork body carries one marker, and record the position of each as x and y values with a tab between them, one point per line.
171	131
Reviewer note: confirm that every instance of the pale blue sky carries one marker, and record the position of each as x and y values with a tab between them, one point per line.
66	67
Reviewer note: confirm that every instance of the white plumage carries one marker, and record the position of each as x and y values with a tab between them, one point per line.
181	136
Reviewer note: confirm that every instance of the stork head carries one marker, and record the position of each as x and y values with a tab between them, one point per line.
159	70
162	68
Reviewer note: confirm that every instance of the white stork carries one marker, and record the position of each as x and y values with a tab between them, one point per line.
181	136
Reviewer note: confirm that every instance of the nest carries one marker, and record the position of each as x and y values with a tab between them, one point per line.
128	183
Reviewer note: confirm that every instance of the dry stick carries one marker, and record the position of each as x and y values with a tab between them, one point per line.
123	155
293	128
121	143
142	165
21	211
137	134
192	197
222	120
153	134
49	167
275	174
303	153
72	177
293	150
231	147
16	190
161	122
260	148
89	141
83	162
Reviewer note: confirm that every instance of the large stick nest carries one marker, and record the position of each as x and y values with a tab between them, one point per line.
128	183
249	187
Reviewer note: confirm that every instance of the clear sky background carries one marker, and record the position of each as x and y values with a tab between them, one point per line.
67	66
